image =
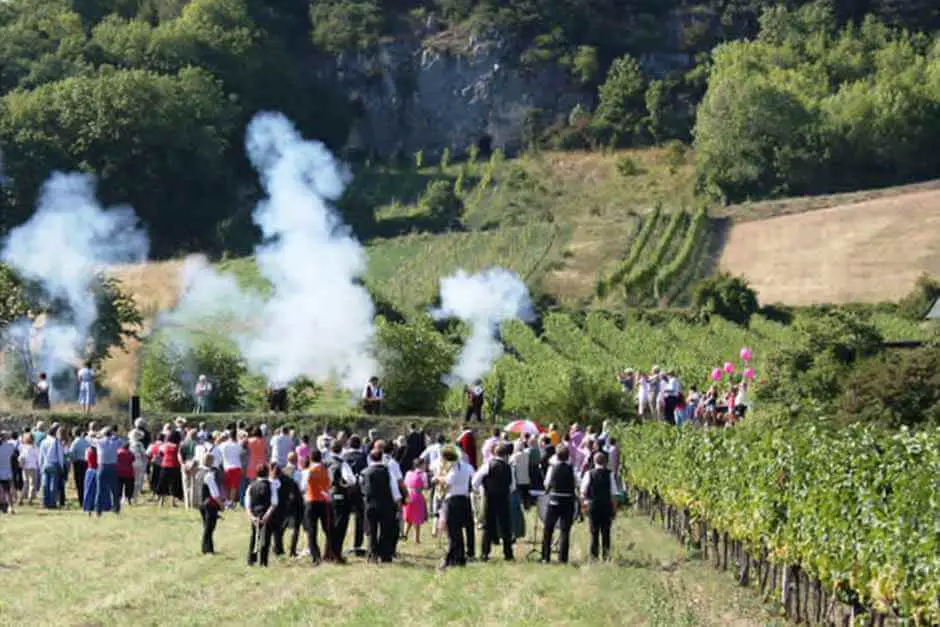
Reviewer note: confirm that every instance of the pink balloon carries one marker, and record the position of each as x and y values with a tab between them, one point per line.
749	374
716	374
729	367
746	354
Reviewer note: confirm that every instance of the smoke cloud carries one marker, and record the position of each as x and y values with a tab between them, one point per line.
318	319
483	301
67	241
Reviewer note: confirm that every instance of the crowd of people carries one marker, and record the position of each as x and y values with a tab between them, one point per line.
660	396
288	483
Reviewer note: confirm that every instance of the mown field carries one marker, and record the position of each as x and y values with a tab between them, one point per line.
144	568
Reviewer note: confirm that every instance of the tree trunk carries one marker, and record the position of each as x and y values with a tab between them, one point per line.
797	609
745	578
724	550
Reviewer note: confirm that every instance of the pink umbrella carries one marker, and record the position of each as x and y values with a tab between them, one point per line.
523	426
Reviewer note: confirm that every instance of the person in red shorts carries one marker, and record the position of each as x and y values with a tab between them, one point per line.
232	468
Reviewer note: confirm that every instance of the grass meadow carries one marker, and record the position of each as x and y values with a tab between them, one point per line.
143	567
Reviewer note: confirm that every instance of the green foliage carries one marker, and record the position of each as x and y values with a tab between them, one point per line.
628	167
897	389
585	64
916	305
341	25
118	320
726	296
854	508
440	199
445	159
15	302
621	98
641	276
693	238
636	249
169	371
813	366
419	159
413	359
810	108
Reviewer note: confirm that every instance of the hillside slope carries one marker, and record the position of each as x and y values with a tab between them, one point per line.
867	251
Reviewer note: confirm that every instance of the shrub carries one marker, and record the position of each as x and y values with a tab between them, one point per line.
726	296
169	370
899	388
917	304
627	167
413	360
439	199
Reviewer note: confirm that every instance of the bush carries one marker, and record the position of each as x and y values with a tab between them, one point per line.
169	370
413	359
916	305
622	97
726	296
898	389
439	199
627	167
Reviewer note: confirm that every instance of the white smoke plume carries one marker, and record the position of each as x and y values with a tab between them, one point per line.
67	241
483	301
317	321
209	300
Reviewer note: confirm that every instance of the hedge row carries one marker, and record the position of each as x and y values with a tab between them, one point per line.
853	513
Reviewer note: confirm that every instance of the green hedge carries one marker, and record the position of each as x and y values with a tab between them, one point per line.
855	510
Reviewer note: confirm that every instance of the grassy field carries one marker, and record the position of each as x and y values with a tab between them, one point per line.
143	568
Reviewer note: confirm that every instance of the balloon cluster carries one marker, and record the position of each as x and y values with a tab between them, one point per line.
728	368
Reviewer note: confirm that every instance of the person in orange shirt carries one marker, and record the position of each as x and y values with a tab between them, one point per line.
554	435
317	505
257	453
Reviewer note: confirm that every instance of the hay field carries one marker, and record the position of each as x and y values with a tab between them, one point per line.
868	251
144	568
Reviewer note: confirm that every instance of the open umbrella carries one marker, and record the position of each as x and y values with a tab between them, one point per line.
523	426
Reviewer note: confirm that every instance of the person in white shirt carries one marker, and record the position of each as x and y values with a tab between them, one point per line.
741	401
209	498
260	502
202	391
372	397
457	512
231	467
29	462
598	489
281	446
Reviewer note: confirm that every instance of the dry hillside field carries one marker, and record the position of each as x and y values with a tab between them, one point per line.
869	251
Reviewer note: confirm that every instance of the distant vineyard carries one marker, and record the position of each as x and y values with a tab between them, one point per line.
663	259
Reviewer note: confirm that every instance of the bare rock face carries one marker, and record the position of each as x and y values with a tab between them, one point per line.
428	94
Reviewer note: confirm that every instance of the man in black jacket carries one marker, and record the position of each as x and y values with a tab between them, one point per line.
414	446
496	478
342	481
597	492
260	503
381	494
289	512
357	461
208	482
560	486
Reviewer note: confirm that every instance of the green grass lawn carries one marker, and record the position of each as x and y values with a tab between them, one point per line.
143	568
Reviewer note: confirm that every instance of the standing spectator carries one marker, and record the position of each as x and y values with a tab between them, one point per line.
125	472
188	465
77	452
281	446
232	467
52	463
171	475
108	486
86	388
202	393
140	462
7	452
210	501
29	463
303	452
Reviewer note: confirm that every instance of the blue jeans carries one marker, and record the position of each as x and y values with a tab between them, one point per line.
107	486
50	487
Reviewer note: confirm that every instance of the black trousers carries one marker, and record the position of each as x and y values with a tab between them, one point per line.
497	522
262	551
600	532
669	409
473	412
63	477
281	524
341	511
210	516
470	531
382	529
457	512
78	473
357	508
126	487
317	513
560	512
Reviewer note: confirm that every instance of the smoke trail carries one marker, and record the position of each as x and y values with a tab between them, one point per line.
318	320
483	301
67	241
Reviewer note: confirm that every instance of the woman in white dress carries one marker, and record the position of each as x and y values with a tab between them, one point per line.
86	388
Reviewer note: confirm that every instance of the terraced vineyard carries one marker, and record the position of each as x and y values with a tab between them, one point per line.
667	255
573	364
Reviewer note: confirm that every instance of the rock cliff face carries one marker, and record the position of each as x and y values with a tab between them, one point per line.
411	95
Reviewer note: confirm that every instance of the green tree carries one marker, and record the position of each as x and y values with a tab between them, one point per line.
340	25
621	98
414	358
